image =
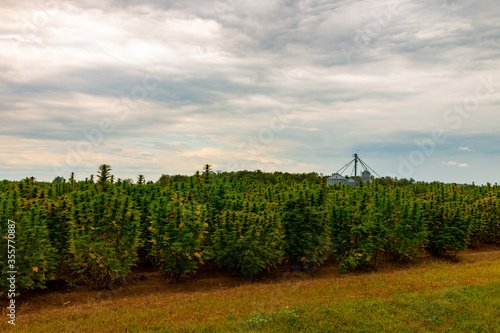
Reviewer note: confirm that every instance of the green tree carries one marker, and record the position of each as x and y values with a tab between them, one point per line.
104	237
449	232
306	234
164	180
35	259
177	234
58	179
247	242
104	175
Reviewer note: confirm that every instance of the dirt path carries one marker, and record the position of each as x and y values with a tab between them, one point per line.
147	281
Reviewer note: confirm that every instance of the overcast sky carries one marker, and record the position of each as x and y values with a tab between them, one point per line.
164	87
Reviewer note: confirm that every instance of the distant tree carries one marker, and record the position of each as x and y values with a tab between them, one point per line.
141	180
386	181
405	182
104	174
207	168
206	173
164	180
58	179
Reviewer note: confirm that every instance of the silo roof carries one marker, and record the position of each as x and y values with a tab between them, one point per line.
336	176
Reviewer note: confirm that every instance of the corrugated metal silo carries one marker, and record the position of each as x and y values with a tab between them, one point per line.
365	175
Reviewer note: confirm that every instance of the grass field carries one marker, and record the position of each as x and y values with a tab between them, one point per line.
428	296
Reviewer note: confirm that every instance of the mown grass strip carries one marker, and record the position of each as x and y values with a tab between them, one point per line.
454	309
436	296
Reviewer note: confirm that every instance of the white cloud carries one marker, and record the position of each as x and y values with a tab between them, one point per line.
464	149
456	164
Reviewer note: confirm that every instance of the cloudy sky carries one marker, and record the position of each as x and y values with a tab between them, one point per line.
164	87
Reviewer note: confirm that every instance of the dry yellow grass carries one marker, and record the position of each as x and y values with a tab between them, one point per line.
218	308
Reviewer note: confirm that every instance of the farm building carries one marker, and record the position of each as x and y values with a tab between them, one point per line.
337	178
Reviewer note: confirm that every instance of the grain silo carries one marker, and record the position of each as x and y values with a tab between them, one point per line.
336	178
366	176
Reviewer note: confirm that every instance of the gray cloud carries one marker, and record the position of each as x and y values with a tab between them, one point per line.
193	82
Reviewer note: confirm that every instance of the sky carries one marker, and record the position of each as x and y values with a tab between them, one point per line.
165	87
